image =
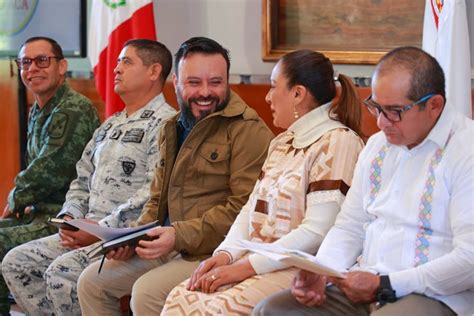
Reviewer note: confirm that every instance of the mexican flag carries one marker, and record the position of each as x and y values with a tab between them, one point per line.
445	37
112	23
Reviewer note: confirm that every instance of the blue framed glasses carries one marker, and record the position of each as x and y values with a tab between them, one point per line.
390	112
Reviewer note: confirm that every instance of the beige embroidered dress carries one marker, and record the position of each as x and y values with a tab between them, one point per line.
294	203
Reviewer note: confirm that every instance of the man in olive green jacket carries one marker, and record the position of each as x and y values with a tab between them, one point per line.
211	154
60	124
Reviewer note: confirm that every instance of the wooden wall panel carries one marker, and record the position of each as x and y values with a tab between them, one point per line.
9	137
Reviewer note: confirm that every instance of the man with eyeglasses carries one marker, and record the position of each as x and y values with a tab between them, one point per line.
60	123
406	229
112	185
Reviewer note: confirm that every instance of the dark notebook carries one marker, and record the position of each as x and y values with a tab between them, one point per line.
130	239
61	223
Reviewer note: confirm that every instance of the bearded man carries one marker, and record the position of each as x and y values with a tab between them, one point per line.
211	154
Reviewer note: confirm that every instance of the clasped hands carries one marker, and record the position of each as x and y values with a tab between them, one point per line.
310	289
217	271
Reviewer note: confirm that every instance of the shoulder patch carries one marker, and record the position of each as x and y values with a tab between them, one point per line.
107	126
57	128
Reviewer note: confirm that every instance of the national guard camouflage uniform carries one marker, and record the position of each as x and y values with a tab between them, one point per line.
114	176
57	134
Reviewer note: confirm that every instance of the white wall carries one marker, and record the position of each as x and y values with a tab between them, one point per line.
470	22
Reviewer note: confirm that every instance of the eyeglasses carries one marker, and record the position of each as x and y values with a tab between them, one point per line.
393	115
41	61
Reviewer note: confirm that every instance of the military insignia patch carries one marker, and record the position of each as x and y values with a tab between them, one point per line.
128	165
107	127
134	135
115	134
57	127
147	114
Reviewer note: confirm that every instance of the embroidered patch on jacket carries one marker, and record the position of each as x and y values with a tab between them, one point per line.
134	135
147	114
107	126
115	134
128	165
58	125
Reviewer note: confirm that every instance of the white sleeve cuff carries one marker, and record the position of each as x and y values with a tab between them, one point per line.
406	281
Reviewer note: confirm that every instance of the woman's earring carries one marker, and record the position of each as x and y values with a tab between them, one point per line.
295	113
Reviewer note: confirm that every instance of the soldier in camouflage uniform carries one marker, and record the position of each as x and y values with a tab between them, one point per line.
114	176
61	122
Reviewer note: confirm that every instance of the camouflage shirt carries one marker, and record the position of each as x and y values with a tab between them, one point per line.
57	134
116	168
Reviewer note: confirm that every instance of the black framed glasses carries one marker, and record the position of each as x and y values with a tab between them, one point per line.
393	113
41	61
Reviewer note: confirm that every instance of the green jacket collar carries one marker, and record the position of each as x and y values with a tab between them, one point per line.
51	104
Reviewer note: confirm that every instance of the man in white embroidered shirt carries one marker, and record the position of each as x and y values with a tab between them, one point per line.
406	228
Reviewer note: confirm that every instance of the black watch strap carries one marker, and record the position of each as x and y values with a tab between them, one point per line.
385	293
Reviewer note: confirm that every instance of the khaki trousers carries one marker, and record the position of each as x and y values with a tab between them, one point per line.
148	281
336	304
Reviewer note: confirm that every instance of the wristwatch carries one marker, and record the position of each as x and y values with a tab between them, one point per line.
385	292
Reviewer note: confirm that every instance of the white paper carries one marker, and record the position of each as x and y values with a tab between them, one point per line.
294	258
107	233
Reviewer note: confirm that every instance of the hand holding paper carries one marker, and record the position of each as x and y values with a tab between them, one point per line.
71	236
113	237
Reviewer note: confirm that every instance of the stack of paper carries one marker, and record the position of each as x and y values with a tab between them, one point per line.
291	257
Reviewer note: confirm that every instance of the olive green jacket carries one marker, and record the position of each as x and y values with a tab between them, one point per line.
204	186
57	135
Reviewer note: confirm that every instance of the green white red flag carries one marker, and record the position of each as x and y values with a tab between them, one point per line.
112	23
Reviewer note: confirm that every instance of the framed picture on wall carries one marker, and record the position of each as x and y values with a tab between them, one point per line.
348	32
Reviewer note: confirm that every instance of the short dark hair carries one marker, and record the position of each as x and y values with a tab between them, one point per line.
152	52
202	45
426	74
315	72
55	47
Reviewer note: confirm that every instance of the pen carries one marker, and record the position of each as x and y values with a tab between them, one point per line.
101	264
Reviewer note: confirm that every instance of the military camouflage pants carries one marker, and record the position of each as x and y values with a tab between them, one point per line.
15	232
42	276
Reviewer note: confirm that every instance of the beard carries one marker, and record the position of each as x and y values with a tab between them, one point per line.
185	106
